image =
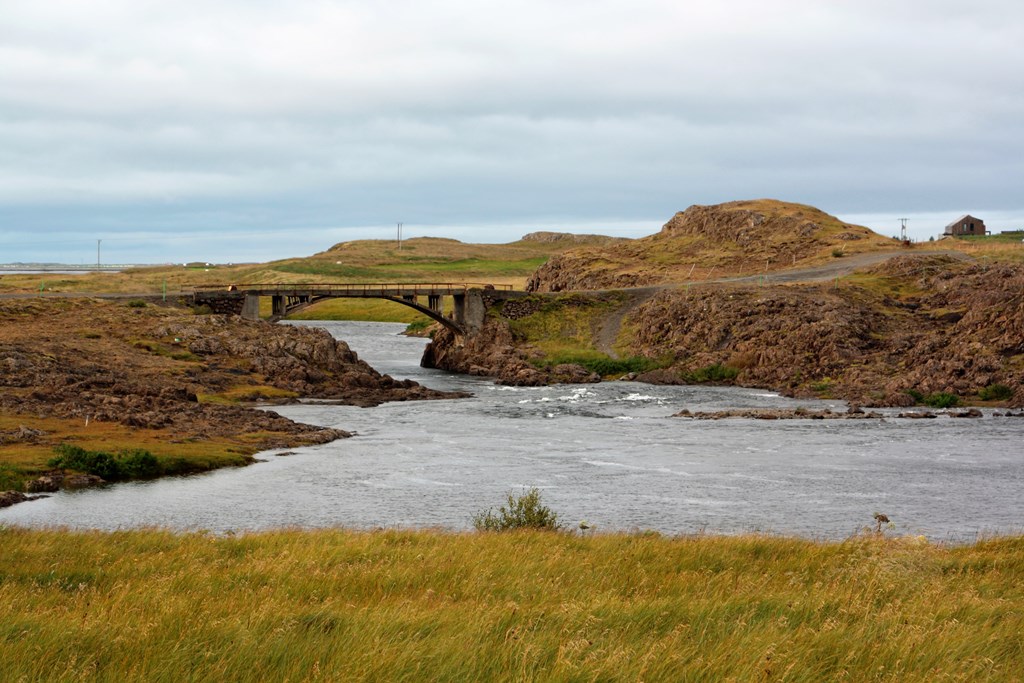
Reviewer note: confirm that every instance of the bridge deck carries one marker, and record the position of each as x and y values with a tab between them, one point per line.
323	289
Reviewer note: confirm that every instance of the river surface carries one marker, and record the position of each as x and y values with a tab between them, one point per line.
610	454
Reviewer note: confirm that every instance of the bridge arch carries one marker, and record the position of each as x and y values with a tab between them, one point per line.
425	310
468	314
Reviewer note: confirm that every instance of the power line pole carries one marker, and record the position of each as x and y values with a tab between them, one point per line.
399	236
903	229
98	253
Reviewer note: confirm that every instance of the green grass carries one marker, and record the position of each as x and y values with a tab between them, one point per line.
470	267
997	238
563	323
409	268
539	606
996	392
379	310
714	373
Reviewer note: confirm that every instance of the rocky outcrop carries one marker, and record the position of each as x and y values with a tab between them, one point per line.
492	352
58	479
780	414
707	241
147	368
8	498
960	335
547	237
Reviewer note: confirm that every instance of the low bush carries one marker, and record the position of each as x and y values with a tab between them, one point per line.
942	399
996	392
127	464
417	326
716	372
522	512
138	464
10	478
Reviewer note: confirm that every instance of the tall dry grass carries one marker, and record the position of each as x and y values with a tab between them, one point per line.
429	606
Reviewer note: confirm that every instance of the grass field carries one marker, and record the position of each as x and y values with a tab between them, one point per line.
379	310
420	260
530	606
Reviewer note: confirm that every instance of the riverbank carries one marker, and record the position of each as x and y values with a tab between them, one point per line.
914	330
406	605
116	377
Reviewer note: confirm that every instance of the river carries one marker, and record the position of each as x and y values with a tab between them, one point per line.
610	454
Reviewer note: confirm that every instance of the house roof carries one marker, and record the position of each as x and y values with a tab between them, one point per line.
966	215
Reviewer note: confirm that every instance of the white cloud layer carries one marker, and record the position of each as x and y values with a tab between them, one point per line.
140	117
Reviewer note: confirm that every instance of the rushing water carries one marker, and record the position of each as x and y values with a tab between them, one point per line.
607	453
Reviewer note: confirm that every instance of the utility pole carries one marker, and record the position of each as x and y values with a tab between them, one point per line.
399	236
98	253
903	229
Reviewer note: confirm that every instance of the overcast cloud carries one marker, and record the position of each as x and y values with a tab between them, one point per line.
261	129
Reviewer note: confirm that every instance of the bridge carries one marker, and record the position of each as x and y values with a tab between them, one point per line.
467	313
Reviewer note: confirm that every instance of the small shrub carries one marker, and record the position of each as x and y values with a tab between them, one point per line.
916	395
127	464
137	303
942	399
823	386
838	252
996	392
76	458
418	326
523	512
10	478
716	372
138	464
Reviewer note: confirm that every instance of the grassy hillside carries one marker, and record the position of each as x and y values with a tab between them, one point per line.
706	242
414	606
424	259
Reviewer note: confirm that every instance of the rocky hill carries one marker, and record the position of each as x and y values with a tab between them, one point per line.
711	241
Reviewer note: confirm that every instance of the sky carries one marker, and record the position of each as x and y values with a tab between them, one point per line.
261	129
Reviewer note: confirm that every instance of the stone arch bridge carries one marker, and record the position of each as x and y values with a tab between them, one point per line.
469	301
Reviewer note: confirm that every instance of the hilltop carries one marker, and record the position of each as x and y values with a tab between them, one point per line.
702	242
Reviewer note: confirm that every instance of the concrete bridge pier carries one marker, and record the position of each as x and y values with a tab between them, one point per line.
434	302
459	312
278	306
251	307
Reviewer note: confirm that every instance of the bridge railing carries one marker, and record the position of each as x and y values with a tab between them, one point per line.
363	288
